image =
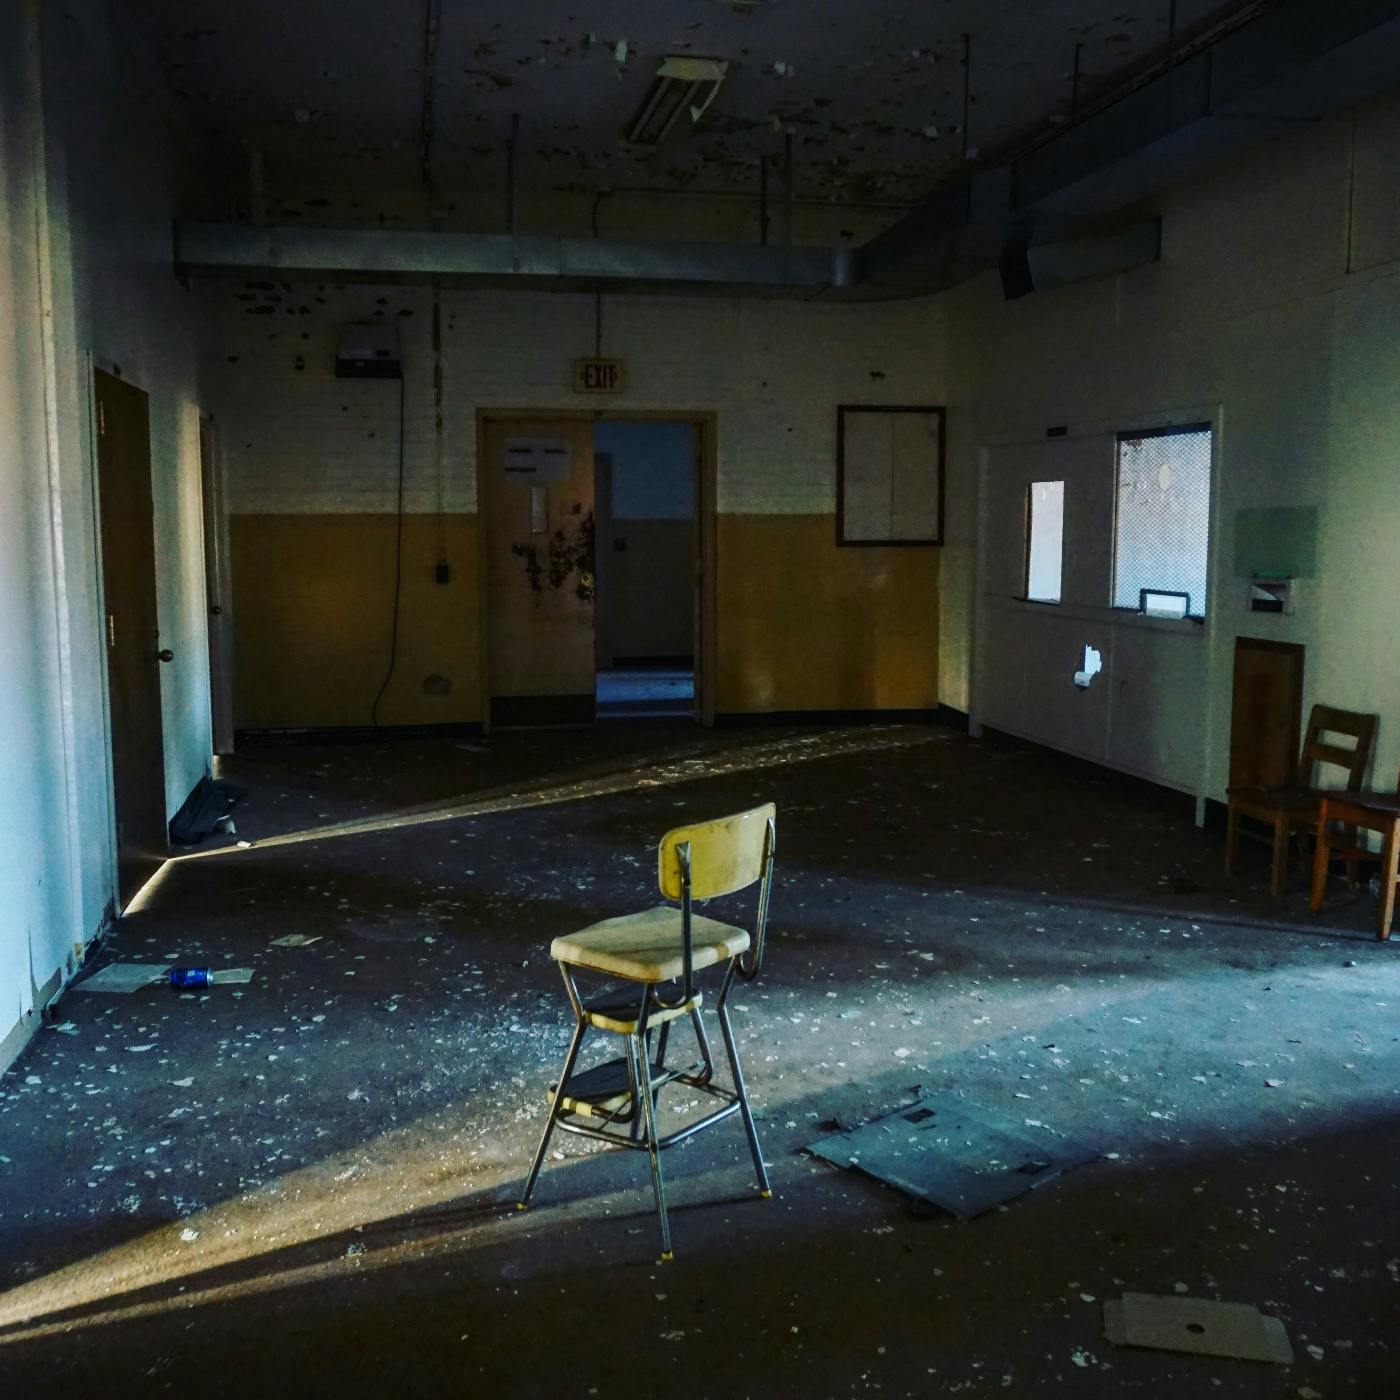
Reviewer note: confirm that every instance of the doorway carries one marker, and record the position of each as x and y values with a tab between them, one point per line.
597	581
134	653
646	475
217	590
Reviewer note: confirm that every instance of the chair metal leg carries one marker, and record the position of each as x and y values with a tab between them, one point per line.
639	1120
747	1113
703	1041
535	1166
636	1047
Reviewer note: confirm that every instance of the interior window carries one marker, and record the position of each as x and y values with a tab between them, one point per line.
1162	521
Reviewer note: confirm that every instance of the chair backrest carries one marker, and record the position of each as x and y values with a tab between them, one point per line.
1323	719
726	854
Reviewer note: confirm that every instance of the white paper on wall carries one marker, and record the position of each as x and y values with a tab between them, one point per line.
538	461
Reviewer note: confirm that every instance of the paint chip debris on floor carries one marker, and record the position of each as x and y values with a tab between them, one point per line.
304	1182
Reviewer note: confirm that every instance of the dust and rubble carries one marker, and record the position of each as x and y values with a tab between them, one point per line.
336	1142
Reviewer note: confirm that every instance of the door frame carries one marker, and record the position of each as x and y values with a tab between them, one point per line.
95	364
704	422
218	586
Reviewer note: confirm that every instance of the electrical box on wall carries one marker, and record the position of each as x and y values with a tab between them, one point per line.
368	350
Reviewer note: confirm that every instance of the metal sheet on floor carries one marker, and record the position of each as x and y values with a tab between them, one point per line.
1199	1325
960	1156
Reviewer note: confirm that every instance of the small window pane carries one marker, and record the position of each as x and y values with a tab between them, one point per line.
1162	531
1045	540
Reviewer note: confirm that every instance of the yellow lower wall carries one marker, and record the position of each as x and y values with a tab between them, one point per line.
802	624
313	603
805	625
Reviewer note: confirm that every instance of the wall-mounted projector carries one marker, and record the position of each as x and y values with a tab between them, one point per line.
368	350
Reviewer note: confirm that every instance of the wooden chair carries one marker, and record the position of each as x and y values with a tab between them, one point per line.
1290	810
1372	811
655	954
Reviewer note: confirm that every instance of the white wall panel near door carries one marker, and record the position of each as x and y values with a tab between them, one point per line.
1157	711
1140	713
1086	466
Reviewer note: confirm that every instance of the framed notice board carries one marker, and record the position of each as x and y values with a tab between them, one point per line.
889	475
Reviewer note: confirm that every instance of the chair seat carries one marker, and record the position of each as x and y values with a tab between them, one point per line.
619	1010
1275	797
1382	805
647	947
1295	802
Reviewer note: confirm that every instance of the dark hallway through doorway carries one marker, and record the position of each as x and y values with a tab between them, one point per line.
647	568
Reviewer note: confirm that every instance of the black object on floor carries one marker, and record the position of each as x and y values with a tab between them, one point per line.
210	803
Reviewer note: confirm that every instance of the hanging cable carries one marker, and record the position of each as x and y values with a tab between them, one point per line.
398	570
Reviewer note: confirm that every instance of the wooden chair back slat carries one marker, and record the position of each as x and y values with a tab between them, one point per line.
1325	720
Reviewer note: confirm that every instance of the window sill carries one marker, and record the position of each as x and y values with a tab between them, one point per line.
1113	617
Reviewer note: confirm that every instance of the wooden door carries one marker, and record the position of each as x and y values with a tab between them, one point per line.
606	570
216	591
536	485
133	645
1266	713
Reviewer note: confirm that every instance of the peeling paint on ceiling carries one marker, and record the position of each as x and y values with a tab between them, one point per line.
331	91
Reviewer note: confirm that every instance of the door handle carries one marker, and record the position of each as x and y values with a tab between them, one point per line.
216	610
165	654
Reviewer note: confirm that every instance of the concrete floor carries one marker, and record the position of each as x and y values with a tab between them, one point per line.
303	1186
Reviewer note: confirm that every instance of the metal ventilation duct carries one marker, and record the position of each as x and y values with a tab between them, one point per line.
1292	63
486	260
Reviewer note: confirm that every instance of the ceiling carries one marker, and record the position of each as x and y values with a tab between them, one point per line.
332	92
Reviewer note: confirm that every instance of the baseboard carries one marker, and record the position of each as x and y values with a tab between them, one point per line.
737	718
359	733
954	719
1089	767
22	1032
653	663
540	711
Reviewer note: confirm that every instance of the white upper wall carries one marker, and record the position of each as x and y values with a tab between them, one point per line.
86	200
36	850
296	440
1251	309
116	150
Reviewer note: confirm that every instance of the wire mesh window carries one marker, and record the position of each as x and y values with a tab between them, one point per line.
1162	526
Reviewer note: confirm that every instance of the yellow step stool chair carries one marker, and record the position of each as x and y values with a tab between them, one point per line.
656	954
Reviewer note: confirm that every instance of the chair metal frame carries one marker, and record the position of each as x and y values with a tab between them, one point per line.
636	1106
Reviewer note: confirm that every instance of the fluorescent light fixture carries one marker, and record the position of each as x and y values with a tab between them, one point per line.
682	85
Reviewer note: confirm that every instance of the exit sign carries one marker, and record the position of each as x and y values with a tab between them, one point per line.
595	376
